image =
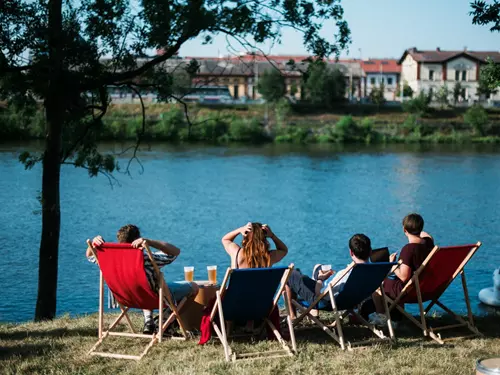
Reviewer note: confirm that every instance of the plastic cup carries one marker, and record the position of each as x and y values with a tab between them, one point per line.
326	267
212	274
189	273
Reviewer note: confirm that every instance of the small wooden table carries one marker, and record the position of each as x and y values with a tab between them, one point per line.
192	311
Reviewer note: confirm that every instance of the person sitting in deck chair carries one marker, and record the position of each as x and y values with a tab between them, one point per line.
167	254
308	289
412	255
254	251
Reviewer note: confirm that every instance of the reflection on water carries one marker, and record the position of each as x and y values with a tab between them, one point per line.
314	197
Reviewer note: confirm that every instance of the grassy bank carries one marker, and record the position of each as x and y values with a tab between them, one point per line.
60	347
283	124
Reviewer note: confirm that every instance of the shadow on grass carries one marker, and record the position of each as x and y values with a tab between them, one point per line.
29	350
53	333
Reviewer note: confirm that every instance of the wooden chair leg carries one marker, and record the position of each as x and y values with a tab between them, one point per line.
223	327
421	308
337	318
289	321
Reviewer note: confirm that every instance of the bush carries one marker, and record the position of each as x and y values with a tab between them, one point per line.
477	118
294	134
247	131
209	129
419	105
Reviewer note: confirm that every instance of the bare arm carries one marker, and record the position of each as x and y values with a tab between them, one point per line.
228	240
98	240
164	247
281	249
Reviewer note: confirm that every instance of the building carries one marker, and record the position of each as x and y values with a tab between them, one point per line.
241	73
378	72
427	71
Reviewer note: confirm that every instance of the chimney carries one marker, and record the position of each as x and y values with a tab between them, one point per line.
438	49
412	50
465	48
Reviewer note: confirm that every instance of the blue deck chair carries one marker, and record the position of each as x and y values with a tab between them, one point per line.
252	294
364	280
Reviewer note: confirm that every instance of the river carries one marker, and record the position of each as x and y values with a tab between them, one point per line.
314	198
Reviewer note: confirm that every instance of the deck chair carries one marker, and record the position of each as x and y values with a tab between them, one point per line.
363	281
430	281
122	268
251	294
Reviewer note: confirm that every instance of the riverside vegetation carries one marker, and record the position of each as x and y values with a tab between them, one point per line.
415	122
61	346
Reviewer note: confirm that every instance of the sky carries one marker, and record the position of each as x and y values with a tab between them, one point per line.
384	29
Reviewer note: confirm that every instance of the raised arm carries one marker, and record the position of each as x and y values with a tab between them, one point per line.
281	248
163	246
98	240
228	240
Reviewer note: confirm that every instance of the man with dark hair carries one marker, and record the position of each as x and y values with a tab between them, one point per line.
412	256
168	253
308	289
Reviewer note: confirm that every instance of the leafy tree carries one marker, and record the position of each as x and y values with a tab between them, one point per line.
419	105
377	95
442	96
477	118
488	14
407	90
325	86
489	79
67	54
293	89
271	85
458	92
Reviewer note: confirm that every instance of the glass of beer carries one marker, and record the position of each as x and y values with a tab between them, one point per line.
326	267
189	273
212	274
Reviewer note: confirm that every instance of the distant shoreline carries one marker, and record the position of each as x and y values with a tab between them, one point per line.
256	124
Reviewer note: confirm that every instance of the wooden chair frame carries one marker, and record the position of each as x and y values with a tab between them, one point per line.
222	330
423	324
340	315
164	300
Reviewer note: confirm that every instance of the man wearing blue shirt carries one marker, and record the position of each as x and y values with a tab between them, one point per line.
308	289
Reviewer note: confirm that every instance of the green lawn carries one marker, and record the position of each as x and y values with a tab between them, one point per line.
60	347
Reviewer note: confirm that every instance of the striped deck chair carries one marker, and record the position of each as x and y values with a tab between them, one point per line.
430	281
363	281
122	268
251	294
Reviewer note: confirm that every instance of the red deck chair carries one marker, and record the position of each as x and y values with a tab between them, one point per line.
431	280
122	267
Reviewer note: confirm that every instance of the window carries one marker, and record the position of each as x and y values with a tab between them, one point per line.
431	75
236	92
464	75
389	81
431	91
372	81
382	80
457	75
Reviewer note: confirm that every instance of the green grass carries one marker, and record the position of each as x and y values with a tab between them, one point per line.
60	347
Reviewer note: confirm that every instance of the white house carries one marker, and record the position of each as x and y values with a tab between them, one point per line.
428	71
381	71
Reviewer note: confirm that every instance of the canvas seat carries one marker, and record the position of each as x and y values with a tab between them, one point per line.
251	294
363	281
122	268
430	281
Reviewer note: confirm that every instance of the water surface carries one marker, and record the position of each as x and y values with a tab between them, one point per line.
314	198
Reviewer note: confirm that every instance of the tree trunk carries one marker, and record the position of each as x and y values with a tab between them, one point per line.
51	213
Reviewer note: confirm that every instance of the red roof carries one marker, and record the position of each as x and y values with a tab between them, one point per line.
438	56
380	66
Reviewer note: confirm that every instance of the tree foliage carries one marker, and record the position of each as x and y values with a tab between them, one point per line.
68	53
442	96
487	13
377	95
271	85
324	86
